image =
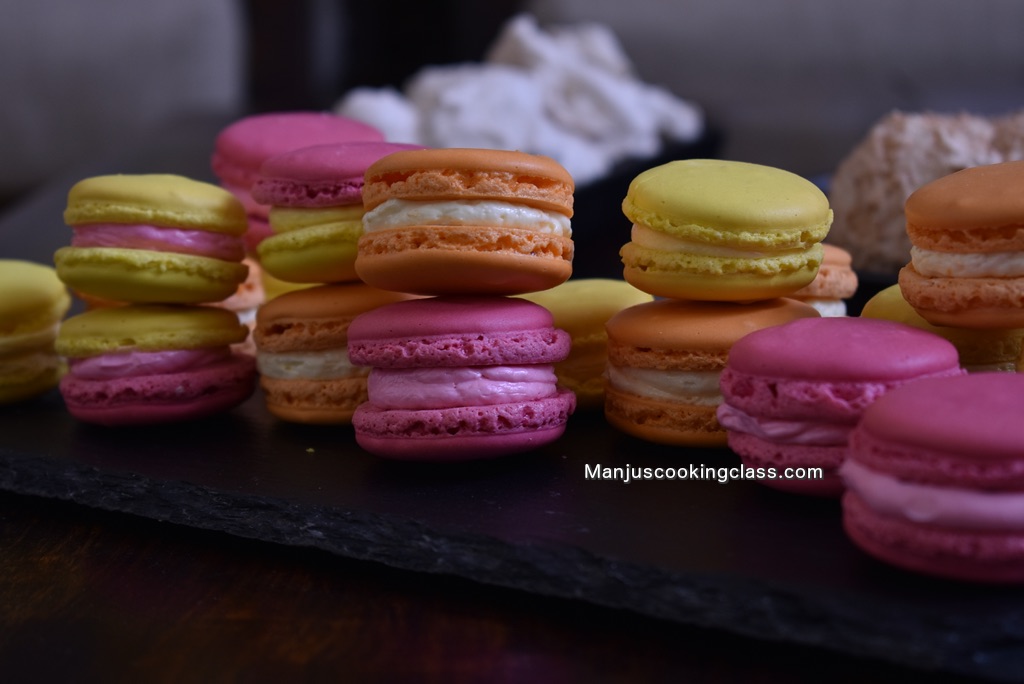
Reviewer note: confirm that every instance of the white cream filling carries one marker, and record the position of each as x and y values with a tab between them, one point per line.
316	365
779	431
642	236
828	308
934	505
687	387
397	213
933	264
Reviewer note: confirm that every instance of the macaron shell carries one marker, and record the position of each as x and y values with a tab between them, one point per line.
241	148
449	260
976	206
582	306
470	174
748	200
692	335
456	331
463	433
663	422
161	398
155	199
968	555
144	276
982	303
317	318
148	328
963	431
842	350
319	254
320	175
679	275
314	402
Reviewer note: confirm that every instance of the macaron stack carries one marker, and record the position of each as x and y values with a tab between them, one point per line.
467	371
159	246
967	234
721	242
314	195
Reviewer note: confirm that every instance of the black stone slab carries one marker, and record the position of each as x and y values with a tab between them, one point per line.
737	557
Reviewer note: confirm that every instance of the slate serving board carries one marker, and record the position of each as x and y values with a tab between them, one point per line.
738	556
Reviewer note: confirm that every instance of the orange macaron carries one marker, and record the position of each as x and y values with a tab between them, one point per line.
665	359
835	282
466	221
302	351
967	235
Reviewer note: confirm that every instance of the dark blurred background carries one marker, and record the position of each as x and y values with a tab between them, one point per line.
793	83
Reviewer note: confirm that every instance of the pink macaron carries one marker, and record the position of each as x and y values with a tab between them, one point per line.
793	393
459	378
316	209
935	478
241	148
149	363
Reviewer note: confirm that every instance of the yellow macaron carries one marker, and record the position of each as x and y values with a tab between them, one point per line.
717	230
34	301
581	307
153	238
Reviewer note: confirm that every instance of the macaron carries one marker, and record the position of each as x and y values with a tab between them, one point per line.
935	478
302	351
665	359
793	393
967	233
241	148
316	209
459	378
152	238
33	303
466	221
993	349
719	230
151	363
582	307
834	283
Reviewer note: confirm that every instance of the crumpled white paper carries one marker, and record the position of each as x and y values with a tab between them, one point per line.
569	93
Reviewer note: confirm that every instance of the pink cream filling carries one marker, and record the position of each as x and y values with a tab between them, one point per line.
136	363
934	505
427	388
180	240
778	431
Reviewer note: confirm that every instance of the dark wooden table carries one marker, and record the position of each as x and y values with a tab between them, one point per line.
92	596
